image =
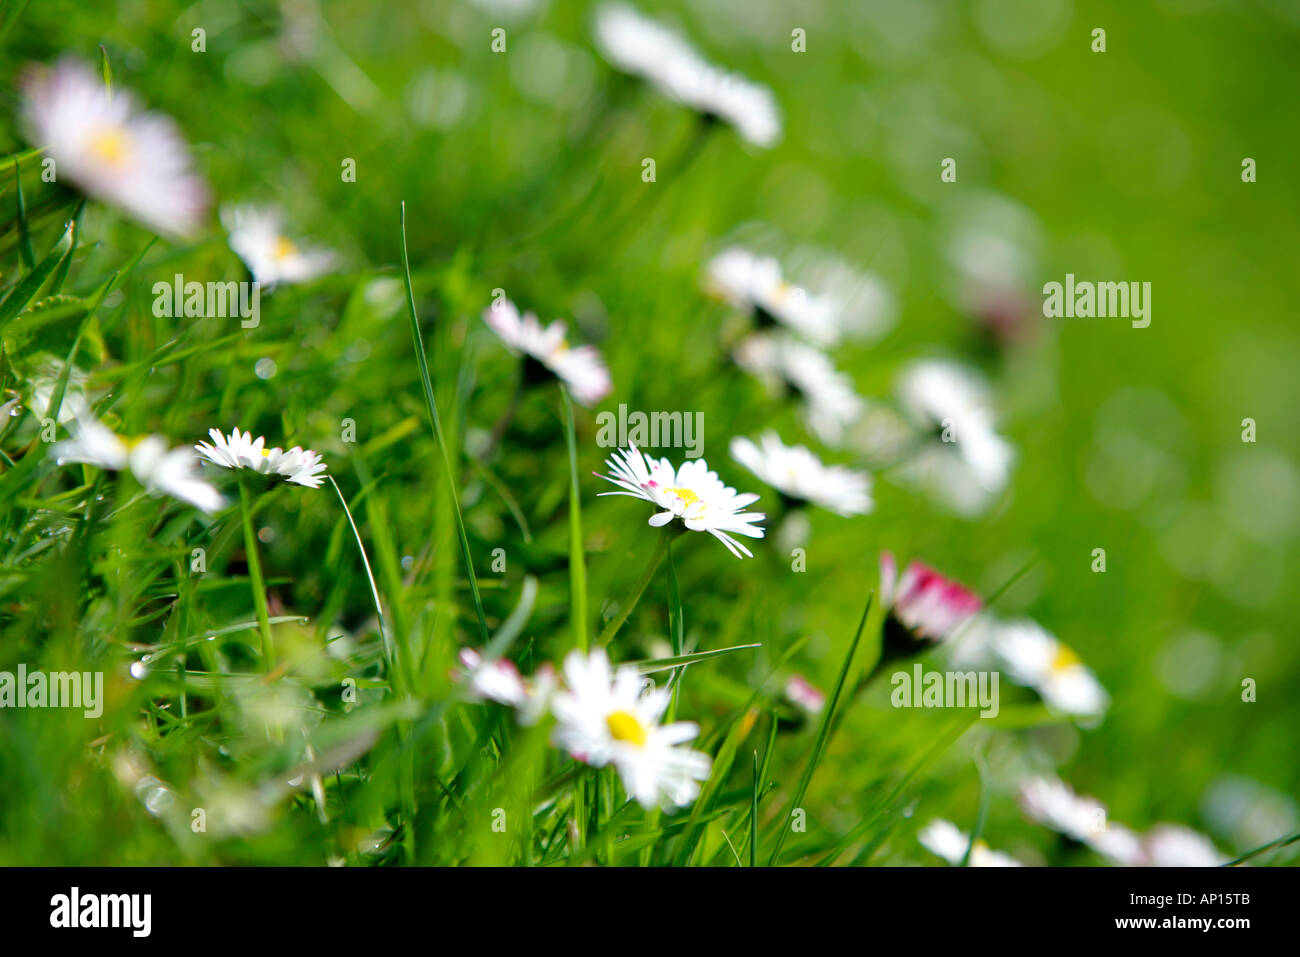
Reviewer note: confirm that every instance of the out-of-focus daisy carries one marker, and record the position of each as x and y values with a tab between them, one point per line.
800	691
691	493
830	403
608	717
499	680
961	457
1172	845
240	450
159	469
257	236
1054	804
923	607
638	45
111	150
1036	658
798	474
581	368
755	284
947	840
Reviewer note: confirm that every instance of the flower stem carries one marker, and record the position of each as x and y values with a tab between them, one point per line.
255	576
661	549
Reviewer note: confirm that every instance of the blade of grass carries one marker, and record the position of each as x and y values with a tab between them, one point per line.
577	560
823	734
24	236
437	433
638	589
370	575
21	296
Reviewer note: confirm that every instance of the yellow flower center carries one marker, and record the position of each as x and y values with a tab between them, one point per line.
625	727
1065	658
266	453
284	248
110	145
687	495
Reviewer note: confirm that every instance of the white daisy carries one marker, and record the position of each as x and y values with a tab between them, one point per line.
1172	845
160	470
797	473
581	368
802	692
642	47
499	680
831	405
754	284
106	146
691	493
607	718
256	234
947	840
967	463
241	451
1037	659
1053	803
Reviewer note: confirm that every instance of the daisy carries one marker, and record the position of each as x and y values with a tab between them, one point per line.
923	607
241	451
499	680
642	47
256	234
802	692
798	474
111	150
1052	803
754	284
691	493
947	840
160	470
606	718
581	368
967	463
1172	845
1037	659
831	405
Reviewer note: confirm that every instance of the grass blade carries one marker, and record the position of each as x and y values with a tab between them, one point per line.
823	734
437	433
577	560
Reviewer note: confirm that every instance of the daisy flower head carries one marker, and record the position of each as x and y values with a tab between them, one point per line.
611	716
1172	845
642	47
499	680
802	692
257	236
241	451
755	284
691	493
1052	803
162	471
111	150
923	606
831	405
581	368
798	474
1035	658
967	464
945	839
